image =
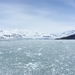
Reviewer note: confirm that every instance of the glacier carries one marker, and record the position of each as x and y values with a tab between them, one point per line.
25	34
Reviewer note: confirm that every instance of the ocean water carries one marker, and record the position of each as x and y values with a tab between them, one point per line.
37	57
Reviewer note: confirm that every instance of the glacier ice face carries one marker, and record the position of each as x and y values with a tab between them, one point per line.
14	34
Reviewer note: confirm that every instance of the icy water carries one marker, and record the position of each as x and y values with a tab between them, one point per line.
37	57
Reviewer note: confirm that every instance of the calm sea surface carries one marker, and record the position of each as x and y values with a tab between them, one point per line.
37	57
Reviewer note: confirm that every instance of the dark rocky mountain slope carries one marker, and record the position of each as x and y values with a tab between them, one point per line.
68	37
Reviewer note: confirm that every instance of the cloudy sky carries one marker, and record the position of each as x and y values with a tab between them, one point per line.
53	16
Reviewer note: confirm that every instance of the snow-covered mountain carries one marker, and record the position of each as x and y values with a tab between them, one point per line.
67	33
24	34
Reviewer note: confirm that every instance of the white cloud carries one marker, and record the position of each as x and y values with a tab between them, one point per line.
27	17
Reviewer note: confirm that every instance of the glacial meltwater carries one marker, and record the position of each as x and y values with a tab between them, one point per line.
37	57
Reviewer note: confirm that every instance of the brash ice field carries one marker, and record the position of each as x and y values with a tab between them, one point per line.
37	57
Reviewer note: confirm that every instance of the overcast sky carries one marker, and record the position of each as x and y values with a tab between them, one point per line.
52	16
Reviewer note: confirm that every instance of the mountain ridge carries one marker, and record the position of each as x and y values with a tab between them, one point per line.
69	37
